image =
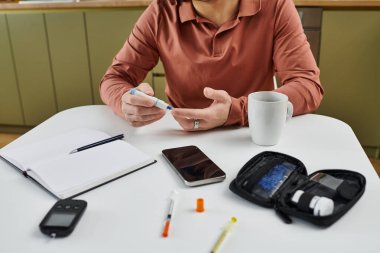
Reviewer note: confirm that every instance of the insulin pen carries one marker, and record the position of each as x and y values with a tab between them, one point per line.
157	102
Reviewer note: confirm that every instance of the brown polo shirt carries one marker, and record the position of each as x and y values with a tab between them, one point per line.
241	56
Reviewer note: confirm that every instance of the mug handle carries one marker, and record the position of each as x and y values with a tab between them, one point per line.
289	112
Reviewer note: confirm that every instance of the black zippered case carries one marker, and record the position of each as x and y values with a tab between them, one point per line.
280	181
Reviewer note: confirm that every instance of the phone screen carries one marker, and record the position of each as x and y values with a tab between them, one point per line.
193	165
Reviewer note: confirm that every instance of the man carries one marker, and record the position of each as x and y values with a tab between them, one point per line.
215	53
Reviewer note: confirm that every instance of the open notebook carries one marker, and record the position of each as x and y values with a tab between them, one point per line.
66	175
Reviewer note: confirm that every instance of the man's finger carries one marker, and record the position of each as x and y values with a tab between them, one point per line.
218	95
184	123
189	124
147	118
137	100
142	123
146	88
191	113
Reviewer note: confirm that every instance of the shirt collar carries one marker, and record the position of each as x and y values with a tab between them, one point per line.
249	7
246	8
186	11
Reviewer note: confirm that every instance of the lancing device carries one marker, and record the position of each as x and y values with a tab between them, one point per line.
157	102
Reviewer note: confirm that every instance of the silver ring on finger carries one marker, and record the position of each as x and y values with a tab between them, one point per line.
196	123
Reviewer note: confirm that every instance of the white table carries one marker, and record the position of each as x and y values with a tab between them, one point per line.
127	215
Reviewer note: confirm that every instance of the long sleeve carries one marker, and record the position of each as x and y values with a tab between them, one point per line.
294	63
136	58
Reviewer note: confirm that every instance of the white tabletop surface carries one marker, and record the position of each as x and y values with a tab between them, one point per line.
128	214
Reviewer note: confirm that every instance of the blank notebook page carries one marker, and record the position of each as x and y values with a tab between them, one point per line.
90	167
30	155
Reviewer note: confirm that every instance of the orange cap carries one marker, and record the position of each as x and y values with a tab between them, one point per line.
200	205
165	233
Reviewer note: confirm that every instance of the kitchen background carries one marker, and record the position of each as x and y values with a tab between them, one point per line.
53	55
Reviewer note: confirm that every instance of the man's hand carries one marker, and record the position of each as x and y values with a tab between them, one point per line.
213	116
140	111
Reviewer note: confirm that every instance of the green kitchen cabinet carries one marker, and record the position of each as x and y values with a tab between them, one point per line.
107	31
10	103
69	59
350	70
54	60
32	66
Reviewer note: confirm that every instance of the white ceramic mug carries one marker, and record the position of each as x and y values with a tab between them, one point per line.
268	111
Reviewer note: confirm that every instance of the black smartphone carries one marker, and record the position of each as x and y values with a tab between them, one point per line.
193	166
